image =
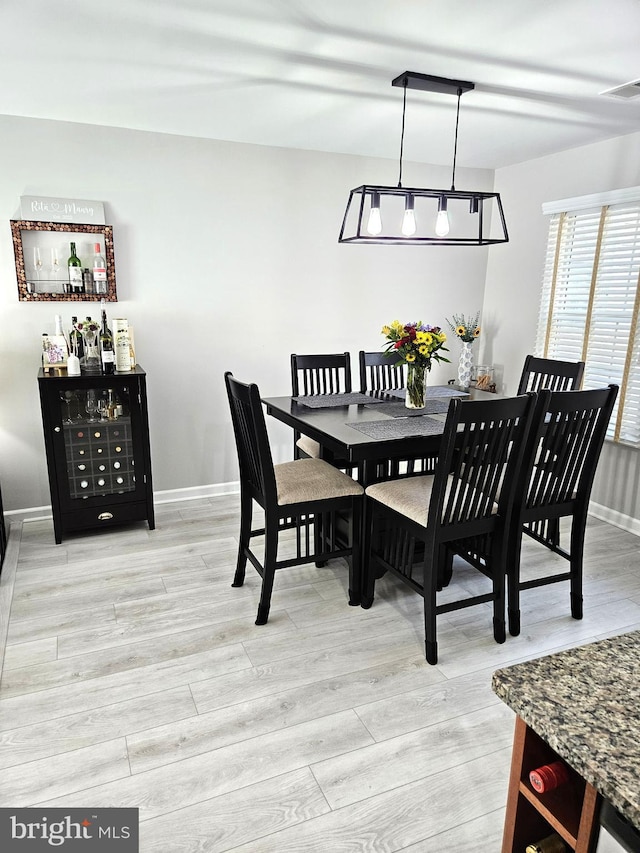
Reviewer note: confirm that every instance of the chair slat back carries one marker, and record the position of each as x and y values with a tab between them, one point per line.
320	374
252	441
565	447
483	446
379	373
550	374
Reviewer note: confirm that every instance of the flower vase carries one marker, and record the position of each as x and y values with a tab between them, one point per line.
465	365
416	386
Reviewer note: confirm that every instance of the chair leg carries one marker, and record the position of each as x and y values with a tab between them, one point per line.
512	571
499	583
429	592
355	562
319	538
445	570
246	517
578	527
268	570
368	578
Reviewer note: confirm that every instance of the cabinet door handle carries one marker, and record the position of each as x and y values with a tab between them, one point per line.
56	429
105	516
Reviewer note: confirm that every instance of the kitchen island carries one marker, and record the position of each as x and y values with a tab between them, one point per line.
581	706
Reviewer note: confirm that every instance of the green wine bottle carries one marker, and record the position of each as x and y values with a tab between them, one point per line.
75	271
107	355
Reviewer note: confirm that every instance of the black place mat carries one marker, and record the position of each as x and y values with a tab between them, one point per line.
433	406
397	428
330	401
432	391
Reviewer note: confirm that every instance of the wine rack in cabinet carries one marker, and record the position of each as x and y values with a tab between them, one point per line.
571	810
96	434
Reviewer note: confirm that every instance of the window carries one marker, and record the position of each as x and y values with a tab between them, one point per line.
591	297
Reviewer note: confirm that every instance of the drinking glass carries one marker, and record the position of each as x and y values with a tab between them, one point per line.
91	406
37	262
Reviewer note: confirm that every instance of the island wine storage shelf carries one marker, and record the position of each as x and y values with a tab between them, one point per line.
571	810
96	435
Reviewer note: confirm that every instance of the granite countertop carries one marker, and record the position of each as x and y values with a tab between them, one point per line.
585	703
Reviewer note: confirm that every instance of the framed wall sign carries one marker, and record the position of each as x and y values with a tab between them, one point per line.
42	251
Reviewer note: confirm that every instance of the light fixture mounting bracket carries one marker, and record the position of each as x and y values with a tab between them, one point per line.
429	83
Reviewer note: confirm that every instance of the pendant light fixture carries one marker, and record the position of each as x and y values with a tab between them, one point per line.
416	216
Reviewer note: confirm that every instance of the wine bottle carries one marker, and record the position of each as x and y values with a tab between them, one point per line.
87	281
551	844
107	357
75	339
60	331
75	271
99	270
549	776
121	344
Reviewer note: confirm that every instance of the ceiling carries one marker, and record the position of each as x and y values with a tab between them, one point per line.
316	74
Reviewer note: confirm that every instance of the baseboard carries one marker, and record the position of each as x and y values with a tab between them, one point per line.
618	519
193	493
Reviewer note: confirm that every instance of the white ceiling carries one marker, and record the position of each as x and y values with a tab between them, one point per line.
316	74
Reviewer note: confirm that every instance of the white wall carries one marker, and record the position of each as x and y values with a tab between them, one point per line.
226	259
514	279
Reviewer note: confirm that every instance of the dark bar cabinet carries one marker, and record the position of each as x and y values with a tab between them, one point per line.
96	433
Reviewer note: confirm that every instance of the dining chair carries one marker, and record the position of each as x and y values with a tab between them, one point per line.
464	507
379	373
308	496
555	482
550	374
318	374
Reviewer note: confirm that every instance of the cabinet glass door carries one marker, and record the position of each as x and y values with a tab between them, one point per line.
98	441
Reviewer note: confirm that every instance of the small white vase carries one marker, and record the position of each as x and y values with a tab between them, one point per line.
465	364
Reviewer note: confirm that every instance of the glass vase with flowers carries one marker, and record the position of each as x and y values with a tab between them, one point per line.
417	345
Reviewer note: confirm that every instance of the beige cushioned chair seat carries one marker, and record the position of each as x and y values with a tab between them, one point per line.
409	496
309	446
312	480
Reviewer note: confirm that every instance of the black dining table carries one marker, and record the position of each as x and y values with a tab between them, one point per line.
365	429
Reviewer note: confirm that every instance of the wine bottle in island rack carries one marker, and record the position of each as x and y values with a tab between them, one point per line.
107	356
99	271
75	271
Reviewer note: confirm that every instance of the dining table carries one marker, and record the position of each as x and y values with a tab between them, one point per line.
367	429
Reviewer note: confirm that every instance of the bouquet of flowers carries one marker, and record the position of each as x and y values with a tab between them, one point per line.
415	343
466	330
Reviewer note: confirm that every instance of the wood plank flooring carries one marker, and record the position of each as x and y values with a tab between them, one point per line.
134	676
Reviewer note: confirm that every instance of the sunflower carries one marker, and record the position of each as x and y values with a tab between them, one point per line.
460	331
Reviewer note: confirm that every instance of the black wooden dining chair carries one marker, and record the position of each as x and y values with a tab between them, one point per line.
379	373
463	507
550	374
306	495
318	374
555	482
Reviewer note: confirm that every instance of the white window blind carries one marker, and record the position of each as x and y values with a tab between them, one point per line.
590	302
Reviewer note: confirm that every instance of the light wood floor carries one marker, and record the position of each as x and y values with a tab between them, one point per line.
134	676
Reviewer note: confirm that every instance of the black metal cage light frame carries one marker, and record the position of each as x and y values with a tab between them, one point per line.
383	215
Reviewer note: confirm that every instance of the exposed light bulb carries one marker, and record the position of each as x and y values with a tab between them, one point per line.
409	221
442	223
442	219
374	226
